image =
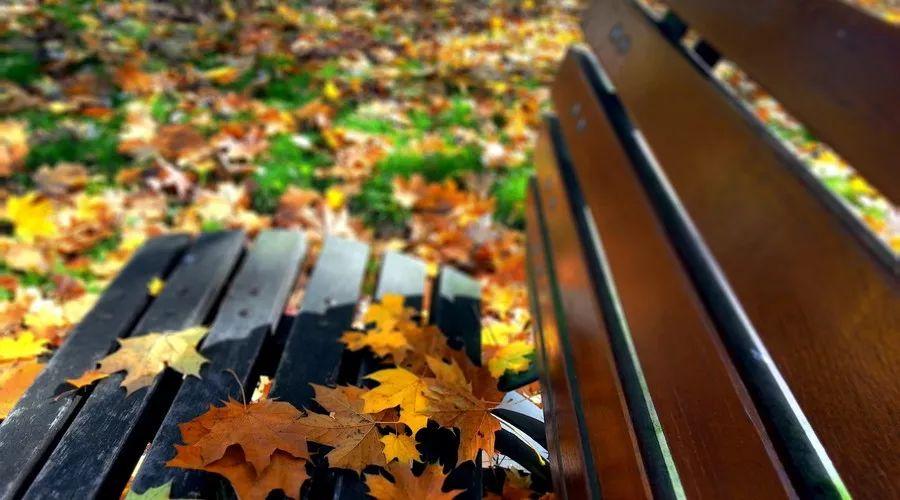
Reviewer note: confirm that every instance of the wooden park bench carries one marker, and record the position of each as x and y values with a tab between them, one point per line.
712	322
86	445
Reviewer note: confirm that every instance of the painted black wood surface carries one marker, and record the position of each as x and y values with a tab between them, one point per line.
32	428
247	316
99	450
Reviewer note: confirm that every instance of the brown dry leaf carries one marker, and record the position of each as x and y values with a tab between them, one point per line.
15	378
464	405
145	356
351	430
180	143
407	486
258	429
13	146
61	179
284	472
26	258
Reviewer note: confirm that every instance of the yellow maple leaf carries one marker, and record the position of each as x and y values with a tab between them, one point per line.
15	378
511	357
32	216
382	342
398	387
400	447
25	346
144	357
499	333
155	286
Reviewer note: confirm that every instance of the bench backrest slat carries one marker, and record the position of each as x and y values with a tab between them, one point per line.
247	317
833	65
581	360
710	426
100	448
27	435
803	308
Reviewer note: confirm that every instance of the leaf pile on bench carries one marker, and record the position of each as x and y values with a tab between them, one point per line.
262	445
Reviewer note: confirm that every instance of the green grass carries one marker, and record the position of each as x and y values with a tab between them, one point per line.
287	165
20	67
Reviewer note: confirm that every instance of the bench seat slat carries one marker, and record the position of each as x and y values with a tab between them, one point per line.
399	274
802	306
37	420
456	309
710	425
248	315
827	61
313	349
98	452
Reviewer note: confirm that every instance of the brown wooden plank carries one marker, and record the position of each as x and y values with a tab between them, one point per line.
832	65
791	277
581	336
571	474
711	427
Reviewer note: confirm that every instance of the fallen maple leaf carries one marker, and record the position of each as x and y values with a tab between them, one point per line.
32	216
15	378
406	486
258	428
61	179
349	428
87	378
512	357
13	146
284	472
25	346
144	357
465	406
400	447
398	387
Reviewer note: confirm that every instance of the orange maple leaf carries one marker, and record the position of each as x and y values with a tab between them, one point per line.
259	429
348	428
407	486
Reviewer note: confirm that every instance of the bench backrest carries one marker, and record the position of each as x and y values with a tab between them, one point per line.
694	287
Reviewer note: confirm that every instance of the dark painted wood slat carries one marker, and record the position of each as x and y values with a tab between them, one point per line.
457	310
512	381
403	275
709	424
313	350
248	315
831	64
98	452
39	418
801	305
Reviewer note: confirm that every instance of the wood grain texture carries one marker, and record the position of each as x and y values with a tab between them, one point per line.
38	419
313	351
579	342
832	65
99	450
711	427
248	315
785	272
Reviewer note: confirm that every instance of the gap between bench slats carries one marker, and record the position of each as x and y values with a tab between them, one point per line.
246	318
32	428
98	452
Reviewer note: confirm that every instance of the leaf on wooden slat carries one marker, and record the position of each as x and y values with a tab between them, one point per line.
400	447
